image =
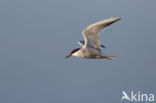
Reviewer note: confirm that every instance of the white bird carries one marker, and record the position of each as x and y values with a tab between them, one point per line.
91	48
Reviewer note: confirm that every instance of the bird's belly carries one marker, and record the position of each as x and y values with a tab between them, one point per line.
90	54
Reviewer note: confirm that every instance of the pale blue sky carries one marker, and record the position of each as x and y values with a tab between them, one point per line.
36	35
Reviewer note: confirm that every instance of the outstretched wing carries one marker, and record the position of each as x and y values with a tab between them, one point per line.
82	42
91	33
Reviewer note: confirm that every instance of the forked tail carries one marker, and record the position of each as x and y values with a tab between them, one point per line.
109	57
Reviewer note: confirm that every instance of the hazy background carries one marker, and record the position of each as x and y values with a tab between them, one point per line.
36	35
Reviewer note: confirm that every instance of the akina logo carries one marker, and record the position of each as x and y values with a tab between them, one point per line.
137	97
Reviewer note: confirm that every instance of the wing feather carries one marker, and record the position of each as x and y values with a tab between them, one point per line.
91	33
82	42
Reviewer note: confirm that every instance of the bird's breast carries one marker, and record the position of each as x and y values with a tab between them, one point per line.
88	53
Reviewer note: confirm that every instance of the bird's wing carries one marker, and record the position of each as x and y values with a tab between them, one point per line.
82	42
91	33
103	46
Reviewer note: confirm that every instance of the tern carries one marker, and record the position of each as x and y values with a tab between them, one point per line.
91	46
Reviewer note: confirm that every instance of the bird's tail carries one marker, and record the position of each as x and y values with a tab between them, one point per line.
109	57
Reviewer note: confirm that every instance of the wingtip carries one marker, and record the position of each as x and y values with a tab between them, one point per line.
118	18
111	57
114	19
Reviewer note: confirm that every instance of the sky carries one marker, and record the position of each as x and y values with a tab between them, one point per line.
36	35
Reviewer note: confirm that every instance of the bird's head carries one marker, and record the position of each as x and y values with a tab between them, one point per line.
73	51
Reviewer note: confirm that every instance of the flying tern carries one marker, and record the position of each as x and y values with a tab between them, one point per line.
91	46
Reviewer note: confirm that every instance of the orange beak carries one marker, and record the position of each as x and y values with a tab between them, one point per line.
68	55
